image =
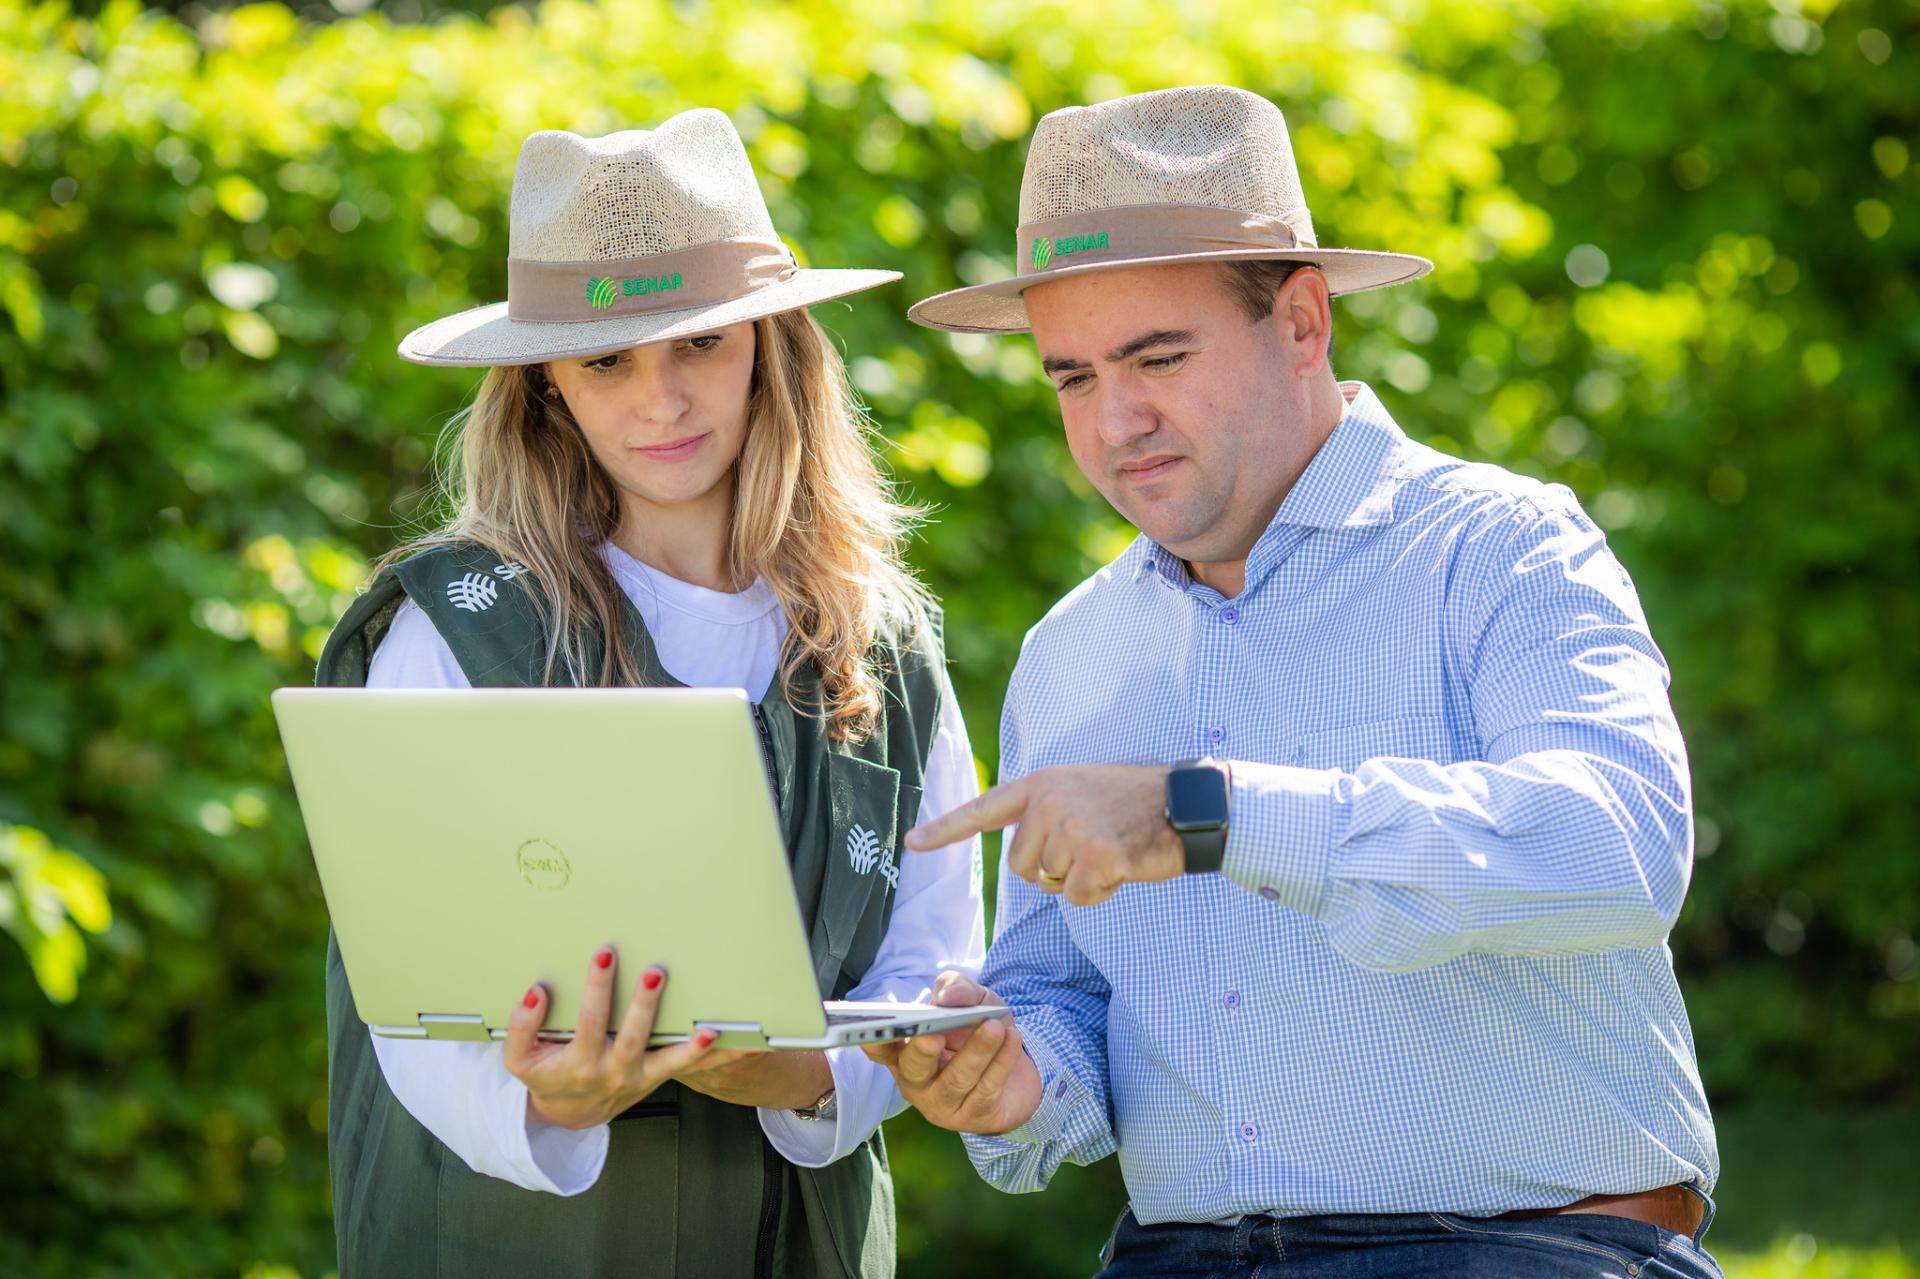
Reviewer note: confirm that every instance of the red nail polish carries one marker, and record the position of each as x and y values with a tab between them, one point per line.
707	1037
533	997
605	958
651	979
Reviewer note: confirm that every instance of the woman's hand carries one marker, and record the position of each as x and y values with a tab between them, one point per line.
589	1079
774	1080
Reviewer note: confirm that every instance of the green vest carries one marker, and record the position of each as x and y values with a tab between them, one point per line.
691	1186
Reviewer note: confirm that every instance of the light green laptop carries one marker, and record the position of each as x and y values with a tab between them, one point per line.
473	841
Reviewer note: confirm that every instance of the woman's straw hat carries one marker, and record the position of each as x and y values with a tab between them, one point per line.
641	236
1203	174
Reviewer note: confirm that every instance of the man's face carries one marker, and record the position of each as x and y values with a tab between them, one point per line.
1188	417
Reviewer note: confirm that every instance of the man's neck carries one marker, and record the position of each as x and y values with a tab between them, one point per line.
1229	576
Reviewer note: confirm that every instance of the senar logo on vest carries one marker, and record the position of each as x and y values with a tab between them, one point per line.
544	866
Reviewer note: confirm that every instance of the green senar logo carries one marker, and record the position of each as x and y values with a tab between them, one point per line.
600	293
1045	250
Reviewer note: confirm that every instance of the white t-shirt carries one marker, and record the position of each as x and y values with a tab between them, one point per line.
462	1092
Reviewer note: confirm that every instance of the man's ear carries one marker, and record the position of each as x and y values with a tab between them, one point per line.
1303	316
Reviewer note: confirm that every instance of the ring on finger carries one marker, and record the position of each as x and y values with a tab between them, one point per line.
1051	880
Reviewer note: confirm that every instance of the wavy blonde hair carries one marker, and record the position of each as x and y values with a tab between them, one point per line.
812	514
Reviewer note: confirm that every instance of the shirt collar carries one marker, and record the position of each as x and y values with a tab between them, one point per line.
1349	483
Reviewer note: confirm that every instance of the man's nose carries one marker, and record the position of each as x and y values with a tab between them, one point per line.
1123	417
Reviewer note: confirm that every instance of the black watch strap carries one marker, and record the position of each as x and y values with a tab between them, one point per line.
1206	849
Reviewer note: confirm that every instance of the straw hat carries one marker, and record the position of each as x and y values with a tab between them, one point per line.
641	236
1203	174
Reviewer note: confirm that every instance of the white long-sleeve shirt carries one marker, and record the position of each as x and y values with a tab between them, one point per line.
462	1092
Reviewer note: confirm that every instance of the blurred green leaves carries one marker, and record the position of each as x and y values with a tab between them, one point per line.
1675	248
47	897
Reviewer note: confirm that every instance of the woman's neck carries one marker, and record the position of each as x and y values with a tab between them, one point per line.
687	540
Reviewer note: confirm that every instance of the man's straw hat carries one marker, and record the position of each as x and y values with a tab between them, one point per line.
642	236
1203	174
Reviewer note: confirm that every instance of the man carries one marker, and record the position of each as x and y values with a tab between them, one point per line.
1354	810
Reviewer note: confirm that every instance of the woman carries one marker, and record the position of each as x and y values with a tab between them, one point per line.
663	480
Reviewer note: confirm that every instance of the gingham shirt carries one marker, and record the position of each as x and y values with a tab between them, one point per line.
1434	975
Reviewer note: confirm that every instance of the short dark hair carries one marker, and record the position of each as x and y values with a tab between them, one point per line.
1253	284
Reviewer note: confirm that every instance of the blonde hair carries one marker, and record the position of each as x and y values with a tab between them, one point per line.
812	514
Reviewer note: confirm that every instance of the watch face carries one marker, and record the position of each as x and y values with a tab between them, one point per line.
1196	798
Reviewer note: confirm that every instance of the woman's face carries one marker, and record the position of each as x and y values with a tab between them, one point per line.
667	419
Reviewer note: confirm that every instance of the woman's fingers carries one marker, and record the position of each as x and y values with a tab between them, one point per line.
674	1058
596	999
636	1028
523	1028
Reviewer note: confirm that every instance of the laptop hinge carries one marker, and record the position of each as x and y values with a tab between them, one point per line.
455	1026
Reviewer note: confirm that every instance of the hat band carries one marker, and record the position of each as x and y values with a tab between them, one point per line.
1153	231
704	275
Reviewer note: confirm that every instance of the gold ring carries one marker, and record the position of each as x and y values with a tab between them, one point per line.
1051	880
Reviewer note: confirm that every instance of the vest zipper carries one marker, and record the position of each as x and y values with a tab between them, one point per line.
766	754
772	1181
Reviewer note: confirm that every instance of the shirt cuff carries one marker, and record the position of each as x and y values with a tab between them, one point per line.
560	1161
1281	833
864	1094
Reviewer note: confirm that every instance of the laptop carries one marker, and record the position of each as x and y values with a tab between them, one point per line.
471	842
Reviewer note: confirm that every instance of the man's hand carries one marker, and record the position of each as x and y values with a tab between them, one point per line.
977	1079
587	1080
1085	829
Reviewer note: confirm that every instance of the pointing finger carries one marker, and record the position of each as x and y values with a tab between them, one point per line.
993	809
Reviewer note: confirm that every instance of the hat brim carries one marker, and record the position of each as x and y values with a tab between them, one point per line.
486	336
1000	307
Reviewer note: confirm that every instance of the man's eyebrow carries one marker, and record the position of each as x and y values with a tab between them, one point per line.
1133	347
1159	337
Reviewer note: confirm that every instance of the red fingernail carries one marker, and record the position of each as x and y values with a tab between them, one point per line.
605	958
651	979
707	1037
533	997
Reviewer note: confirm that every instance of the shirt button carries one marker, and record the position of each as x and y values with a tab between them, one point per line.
1060	1089
1217	734
1269	892
1249	1134
1232	1000
1230	615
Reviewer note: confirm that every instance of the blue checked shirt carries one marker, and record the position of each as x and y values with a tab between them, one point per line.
1434	975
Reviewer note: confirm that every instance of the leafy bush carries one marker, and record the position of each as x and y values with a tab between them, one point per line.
1676	252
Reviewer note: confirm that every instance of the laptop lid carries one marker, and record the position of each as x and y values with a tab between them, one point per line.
473	841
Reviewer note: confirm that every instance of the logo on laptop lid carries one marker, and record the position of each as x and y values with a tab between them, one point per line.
544	866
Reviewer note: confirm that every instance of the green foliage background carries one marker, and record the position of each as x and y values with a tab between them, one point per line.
1676	247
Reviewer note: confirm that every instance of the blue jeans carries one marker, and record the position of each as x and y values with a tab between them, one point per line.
1409	1246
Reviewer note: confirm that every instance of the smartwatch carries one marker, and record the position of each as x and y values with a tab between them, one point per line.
1197	795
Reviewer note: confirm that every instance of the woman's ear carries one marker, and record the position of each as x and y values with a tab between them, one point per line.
541	379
